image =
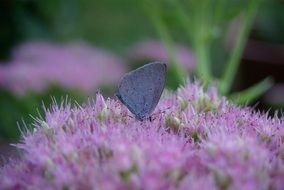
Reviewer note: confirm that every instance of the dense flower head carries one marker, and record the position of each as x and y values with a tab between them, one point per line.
38	65
196	140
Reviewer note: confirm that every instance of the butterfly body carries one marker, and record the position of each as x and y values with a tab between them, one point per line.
141	89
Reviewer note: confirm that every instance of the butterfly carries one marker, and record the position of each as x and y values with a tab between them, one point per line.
140	90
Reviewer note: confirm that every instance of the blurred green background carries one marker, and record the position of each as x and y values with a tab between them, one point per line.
235	44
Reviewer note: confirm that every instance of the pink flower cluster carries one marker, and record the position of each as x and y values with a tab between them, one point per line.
37	65
196	140
152	50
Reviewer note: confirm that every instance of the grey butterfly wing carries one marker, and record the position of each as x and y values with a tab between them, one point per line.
141	89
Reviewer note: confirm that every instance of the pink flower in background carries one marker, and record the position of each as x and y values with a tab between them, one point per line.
37	65
154	50
274	96
201	142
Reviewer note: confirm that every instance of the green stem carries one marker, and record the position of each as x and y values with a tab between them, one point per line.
183	17
219	10
202	56
237	51
202	39
168	42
